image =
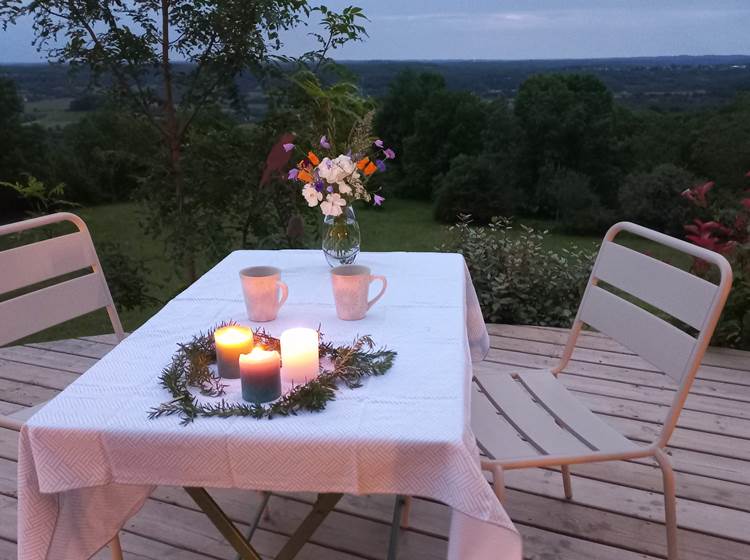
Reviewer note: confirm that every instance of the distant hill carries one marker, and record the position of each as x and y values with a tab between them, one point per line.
667	82
671	82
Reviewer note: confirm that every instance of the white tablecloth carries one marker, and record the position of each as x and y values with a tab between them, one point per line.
90	458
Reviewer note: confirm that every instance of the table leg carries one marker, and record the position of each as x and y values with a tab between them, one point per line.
256	520
222	523
395	527
321	508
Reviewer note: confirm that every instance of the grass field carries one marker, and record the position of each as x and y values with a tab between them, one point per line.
50	113
398	226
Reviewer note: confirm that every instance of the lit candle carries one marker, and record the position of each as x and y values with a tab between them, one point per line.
230	343
299	355
260	375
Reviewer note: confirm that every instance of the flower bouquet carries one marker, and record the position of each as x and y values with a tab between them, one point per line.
333	184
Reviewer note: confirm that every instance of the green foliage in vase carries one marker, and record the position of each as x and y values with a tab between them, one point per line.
519	281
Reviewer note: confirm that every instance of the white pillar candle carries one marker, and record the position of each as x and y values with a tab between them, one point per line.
230	343
299	356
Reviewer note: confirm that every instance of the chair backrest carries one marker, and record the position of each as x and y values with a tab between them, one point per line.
42	261
693	301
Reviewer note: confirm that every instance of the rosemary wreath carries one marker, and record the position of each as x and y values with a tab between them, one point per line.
190	368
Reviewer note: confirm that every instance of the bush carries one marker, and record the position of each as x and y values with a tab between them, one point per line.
477	186
517	280
727	232
652	199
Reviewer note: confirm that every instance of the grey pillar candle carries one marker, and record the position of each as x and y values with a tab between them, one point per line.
260	373
230	343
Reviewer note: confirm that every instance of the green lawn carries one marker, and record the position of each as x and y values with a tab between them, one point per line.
399	226
50	113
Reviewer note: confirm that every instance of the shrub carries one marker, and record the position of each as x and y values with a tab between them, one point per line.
477	186
651	199
517	279
727	233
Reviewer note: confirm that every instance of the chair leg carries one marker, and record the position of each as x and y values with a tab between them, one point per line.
498	482
567	483
670	502
405	512
116	548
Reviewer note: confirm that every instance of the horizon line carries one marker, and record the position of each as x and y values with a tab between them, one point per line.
406	60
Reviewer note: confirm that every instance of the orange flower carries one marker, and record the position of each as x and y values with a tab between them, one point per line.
313	158
305	177
370	169
362	163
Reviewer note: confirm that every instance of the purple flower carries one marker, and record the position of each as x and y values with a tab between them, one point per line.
378	143
293	174
330	188
319	185
389	154
324	143
288	147
381	165
378	200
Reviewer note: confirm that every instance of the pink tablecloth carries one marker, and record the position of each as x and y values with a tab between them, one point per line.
90	458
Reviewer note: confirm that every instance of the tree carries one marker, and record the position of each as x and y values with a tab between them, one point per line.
447	124
567	196
653	198
721	144
104	156
567	120
478	186
137	43
23	149
407	92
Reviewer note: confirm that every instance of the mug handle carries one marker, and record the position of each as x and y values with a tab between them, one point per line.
374	300
284	293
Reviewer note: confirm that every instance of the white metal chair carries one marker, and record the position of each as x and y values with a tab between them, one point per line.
37	308
529	419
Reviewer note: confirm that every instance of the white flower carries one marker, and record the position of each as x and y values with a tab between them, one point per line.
335	171
312	196
344	187
333	205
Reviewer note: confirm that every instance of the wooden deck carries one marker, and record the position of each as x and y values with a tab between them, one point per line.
616	512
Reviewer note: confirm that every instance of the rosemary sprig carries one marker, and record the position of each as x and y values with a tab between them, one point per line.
190	368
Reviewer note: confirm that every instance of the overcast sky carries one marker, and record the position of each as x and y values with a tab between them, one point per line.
505	29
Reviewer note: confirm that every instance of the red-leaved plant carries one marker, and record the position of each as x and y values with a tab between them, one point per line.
723	227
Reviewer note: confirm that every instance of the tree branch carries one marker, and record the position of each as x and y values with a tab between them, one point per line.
114	68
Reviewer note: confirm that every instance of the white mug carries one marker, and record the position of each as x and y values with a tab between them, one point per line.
261	286
351	286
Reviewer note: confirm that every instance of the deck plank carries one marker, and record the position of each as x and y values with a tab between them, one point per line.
617	509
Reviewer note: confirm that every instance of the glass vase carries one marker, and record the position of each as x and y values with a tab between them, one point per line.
341	237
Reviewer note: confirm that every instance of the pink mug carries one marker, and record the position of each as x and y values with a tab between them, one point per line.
351	286
261	286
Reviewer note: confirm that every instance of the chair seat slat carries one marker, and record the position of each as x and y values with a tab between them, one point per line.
666	347
530	419
656	283
36	262
574	414
36	311
494	434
